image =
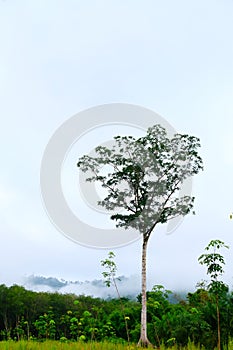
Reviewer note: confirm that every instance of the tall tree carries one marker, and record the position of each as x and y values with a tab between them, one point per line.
144	181
215	262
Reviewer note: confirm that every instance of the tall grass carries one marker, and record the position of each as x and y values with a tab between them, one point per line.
57	345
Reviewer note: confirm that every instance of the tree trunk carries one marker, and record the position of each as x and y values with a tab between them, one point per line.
143	341
218	320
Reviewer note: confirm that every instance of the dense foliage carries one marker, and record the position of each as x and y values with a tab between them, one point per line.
31	315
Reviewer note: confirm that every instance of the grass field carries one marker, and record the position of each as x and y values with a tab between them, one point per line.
56	345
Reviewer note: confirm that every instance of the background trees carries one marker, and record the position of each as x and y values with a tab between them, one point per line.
92	319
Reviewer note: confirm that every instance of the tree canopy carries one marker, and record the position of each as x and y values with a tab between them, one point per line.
145	176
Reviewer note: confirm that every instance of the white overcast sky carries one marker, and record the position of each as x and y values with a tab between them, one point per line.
60	57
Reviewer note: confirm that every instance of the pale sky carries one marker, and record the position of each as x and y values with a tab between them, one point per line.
61	57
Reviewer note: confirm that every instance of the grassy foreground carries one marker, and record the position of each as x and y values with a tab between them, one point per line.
56	345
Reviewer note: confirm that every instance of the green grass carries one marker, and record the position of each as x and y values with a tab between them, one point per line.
57	345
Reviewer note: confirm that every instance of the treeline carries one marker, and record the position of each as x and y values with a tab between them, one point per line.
26	314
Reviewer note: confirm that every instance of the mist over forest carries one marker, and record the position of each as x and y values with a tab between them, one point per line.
128	286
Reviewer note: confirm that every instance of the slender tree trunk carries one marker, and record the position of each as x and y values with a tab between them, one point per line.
28	331
6	326
143	341
122	308
218	321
